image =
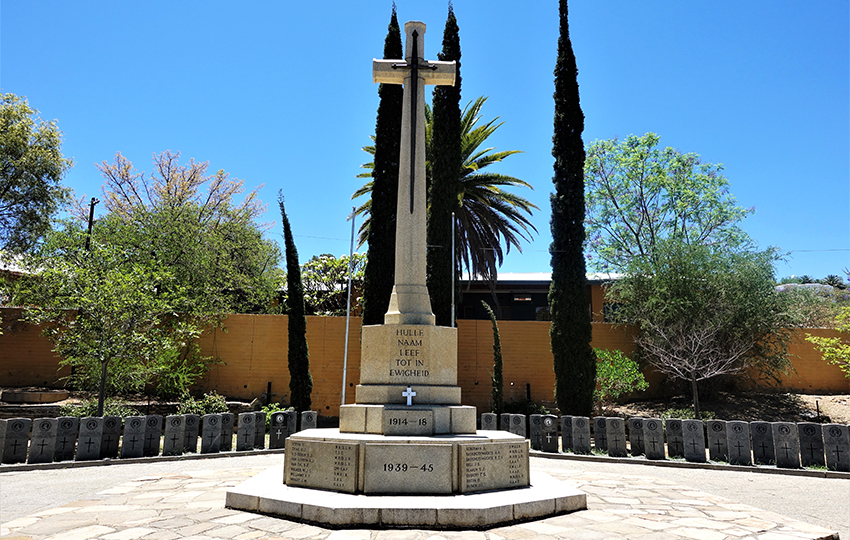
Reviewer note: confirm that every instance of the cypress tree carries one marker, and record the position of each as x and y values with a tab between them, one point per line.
446	163
300	381
380	262
575	362
498	392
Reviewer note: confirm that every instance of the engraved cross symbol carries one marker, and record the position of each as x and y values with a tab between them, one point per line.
409	395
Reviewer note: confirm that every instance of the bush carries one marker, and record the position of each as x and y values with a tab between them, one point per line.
687	414
525	407
211	403
616	374
111	407
272	408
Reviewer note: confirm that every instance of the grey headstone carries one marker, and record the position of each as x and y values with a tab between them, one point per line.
278	430
190	433
111	437
653	438
566	433
210	433
535	431
811	444
91	437
836	441
762	436
505	421
615	435
718	446
518	425
260	426
581	434
245	432
226	432
133	441
16	439
153	431
43	440
489	421
600	434
675	442
693	434
549	436
786	444
309	420
636	436
66	437
175	435
738	443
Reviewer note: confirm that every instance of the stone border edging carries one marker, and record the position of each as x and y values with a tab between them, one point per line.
691	465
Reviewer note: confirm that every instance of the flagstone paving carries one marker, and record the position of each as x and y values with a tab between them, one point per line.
190	506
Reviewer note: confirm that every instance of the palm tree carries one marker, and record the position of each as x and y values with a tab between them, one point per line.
487	214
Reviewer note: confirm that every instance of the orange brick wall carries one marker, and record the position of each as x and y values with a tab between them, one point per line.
26	357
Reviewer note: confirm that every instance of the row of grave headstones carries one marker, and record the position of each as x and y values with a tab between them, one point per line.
45	440
784	444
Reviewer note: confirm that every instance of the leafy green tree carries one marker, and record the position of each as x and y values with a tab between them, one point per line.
489	214
446	161
570	334
705	311
616	375
836	350
325	281
638	194
496	378
380	266
300	381
31	170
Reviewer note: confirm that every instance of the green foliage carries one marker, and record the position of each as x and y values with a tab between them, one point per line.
300	381
836	350
570	333
211	403
111	407
813	307
524	406
31	169
616	375
687	414
446	161
639	194
496	378
380	266
179	368
272	408
325	282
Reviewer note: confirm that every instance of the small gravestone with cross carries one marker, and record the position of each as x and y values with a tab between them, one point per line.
66	437
260	427
836	442
518	425
675	442
153	432
600	434
111	437
172	441
653	438
91	437
786	445
132	443
17	434
693	435
226	432
489	421
43	440
566	433
535	431
811	444
581	434
278	429
191	432
505	421
763	448
615	437
210	433
636	435
718	447
245	432
549	434
738	442
309	420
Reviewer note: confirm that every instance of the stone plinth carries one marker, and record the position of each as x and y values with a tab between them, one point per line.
407	355
407	420
381	464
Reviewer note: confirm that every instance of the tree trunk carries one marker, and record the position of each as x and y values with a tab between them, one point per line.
696	396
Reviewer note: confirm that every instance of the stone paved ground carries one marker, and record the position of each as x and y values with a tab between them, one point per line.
190	505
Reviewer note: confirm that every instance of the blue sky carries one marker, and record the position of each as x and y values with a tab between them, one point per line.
280	94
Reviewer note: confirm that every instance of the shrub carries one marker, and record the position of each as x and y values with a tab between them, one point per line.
687	414
211	403
525	407
616	374
111	407
272	408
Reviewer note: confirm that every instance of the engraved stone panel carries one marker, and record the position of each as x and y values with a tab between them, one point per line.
210	433
836	441
581	434
653	438
410	468
245	432
408	354
718	447
226	432
43	440
615	437
738	443
763	449
600	434
111	437
566	433
175	433
17	436
675	443
190	433
153	431
786	444
321	464
493	465
66	438
550	433
408	421
811	444
636	436
132	443
489	421
693	434
91	435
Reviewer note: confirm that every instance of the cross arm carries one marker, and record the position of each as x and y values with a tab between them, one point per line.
394	71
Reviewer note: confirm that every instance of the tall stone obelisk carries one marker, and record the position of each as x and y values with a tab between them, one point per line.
409	365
